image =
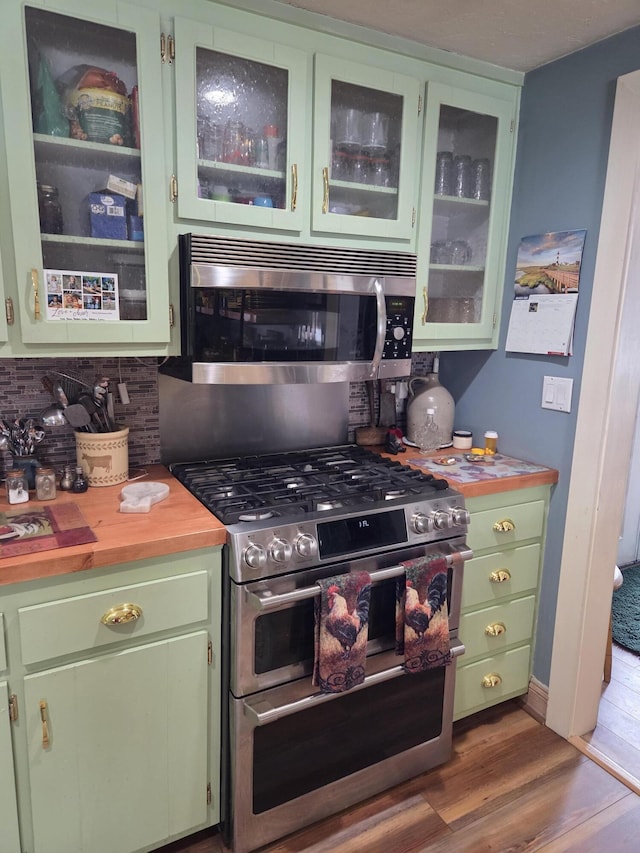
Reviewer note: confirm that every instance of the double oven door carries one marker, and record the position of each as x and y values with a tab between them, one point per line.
296	755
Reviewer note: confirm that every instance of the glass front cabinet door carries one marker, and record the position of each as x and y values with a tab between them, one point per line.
241	128
85	106
365	157
465	201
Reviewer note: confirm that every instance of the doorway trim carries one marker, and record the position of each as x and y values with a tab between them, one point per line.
604	434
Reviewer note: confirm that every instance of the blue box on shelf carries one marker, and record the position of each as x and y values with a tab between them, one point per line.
108	215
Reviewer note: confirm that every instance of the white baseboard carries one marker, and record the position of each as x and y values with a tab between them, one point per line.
535	701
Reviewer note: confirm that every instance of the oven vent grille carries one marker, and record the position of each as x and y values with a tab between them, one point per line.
252	254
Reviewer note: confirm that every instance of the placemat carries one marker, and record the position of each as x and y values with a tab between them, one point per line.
470	472
43	528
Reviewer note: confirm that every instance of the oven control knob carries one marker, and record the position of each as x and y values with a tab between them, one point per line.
442	520
255	556
280	550
422	523
305	545
398	333
460	515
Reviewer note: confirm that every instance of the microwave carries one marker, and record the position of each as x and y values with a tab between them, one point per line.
254	312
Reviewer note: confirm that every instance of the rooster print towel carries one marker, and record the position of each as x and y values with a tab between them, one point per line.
341	632
422	617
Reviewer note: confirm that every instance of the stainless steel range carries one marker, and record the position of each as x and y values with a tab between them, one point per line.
292	754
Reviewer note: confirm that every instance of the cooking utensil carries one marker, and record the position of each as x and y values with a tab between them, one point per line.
95	412
79	417
53	415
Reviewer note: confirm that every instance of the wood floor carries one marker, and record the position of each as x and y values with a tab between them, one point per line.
512	785
617	734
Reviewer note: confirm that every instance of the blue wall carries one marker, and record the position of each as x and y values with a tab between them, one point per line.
565	125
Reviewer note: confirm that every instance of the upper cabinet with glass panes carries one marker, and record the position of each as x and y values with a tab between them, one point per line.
243	146
364	150
86	194
468	157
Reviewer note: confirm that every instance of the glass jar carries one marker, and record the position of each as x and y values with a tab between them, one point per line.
66	481
17	488
462	176
234	142
45	484
49	210
481	177
80	483
380	171
444	171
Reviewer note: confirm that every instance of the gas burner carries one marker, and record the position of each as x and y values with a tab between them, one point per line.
256	515
392	494
324	505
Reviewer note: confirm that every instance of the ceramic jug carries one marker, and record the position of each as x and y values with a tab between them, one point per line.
426	392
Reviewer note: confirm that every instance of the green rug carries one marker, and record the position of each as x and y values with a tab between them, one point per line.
626	610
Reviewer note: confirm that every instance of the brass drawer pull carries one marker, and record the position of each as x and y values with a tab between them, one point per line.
425	297
492	680
36	294
325	196
121	614
495	629
500	576
294	186
45	724
505	525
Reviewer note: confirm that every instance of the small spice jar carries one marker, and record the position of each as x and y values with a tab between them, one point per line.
80	483
490	441
17	488
45	484
66	481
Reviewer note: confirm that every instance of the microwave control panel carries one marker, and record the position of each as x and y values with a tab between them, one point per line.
397	344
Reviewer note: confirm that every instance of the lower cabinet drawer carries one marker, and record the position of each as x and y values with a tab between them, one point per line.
493	629
74	624
506	526
502	574
491	680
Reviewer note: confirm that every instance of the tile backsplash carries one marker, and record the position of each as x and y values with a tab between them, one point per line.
23	395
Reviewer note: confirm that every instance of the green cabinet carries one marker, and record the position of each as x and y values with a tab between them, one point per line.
83	129
243	106
499	597
116	747
468	158
241	109
117	678
8	806
364	150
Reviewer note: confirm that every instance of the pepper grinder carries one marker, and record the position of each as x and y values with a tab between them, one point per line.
66	481
80	484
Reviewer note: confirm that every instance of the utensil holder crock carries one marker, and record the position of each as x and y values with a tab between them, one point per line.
104	456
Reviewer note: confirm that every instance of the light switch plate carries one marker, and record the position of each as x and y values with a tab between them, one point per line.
556	393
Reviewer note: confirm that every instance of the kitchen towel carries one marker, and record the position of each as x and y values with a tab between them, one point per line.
341	632
42	528
422	616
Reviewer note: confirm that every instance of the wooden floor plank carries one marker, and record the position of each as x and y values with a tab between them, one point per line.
539	813
616	828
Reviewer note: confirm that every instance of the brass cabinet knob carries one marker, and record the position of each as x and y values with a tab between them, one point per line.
500	576
505	525
492	680
121	614
495	629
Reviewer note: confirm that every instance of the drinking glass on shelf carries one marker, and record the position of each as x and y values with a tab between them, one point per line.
444	171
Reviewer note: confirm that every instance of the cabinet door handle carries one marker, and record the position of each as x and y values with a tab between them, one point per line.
500	576
163	47
45	724
325	197
294	186
495	629
121	614
425	297
36	294
505	525
493	679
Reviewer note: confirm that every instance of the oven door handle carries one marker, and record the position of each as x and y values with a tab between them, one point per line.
265	600
263	712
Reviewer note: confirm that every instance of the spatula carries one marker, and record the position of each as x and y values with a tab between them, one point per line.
79	417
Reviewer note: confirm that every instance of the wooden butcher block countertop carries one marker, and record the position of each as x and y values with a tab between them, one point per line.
176	524
507	474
